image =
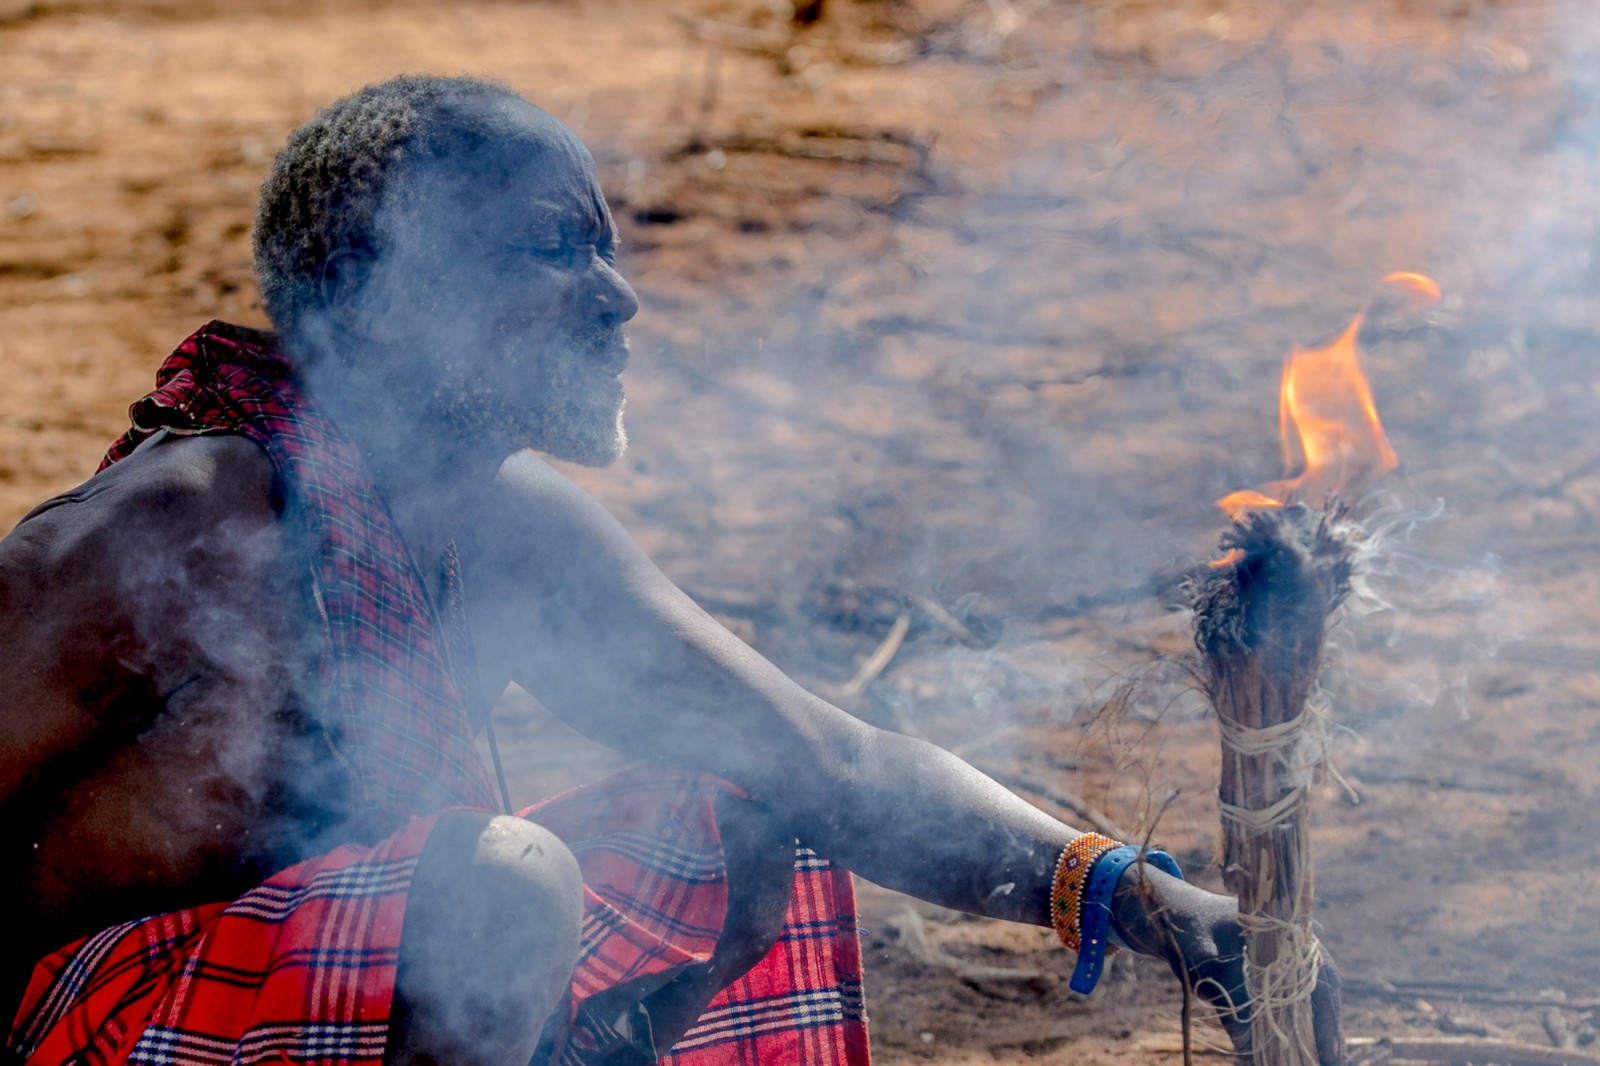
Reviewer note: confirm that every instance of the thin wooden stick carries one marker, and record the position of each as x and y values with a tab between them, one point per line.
1462	1051
1146	893
1405	991
879	660
1428	1051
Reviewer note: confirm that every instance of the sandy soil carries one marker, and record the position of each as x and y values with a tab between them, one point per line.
977	305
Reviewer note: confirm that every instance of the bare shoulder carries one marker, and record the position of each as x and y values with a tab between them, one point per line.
554	580
165	494
97	586
174	507
176	474
534	491
541	525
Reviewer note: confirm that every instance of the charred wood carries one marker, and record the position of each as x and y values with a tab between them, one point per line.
1261	614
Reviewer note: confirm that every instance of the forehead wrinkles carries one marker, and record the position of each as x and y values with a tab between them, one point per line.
501	182
498	139
562	175
555	194
482	165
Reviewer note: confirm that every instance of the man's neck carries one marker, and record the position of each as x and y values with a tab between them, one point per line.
427	475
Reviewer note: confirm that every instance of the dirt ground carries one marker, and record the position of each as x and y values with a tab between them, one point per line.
964	311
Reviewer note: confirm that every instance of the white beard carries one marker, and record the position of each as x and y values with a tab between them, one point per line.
567	409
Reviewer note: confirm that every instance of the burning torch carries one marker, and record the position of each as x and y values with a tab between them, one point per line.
1261	613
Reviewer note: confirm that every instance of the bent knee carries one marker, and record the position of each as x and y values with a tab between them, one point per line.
490	939
526	869
500	883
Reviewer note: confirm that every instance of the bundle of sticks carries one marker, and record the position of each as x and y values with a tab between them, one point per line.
1261	614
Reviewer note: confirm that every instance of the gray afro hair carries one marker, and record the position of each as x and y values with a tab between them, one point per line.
326	184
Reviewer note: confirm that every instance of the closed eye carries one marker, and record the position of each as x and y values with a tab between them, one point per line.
553	249
559	245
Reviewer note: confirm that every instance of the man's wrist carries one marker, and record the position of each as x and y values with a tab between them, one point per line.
1141	888
1084	899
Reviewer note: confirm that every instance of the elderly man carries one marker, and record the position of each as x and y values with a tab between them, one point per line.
245	818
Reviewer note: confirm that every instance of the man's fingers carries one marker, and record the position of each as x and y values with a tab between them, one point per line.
1228	998
1221	983
1326	1007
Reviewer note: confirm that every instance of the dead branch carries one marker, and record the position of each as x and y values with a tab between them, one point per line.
873	148
936	612
1537	484
879	660
1556	1028
850	604
737	602
1460	1051
1406	991
1164	920
1429	1051
1361	778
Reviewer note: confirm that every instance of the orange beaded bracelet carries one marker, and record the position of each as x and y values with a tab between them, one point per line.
1066	889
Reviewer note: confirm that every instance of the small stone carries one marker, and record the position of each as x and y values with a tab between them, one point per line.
1557	1029
795	60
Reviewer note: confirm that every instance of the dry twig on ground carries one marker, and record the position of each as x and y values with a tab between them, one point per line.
1457	1051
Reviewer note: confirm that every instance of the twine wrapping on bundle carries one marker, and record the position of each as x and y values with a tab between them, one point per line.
1260	618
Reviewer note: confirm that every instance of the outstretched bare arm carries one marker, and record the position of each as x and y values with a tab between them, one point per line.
579	616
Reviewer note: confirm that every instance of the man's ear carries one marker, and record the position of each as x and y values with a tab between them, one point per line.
347	297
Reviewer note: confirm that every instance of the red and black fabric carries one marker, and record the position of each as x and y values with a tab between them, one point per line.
301	969
392	710
655	891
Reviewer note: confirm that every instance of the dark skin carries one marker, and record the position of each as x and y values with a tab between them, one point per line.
115	681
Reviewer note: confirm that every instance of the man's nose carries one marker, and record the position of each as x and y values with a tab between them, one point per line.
614	298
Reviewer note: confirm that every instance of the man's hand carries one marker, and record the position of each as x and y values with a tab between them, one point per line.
1198	933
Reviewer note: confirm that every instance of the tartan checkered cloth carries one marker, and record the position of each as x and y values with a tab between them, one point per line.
655	895
301	969
392	711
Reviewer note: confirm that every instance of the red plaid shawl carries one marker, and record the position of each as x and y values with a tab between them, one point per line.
301	969
392	710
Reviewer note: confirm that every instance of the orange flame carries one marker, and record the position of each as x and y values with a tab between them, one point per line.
1326	417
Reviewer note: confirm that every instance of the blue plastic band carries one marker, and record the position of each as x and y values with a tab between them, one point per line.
1095	924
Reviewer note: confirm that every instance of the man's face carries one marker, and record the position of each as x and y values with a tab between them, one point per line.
497	288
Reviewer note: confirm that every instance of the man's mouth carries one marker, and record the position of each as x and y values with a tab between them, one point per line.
603	349
613	359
